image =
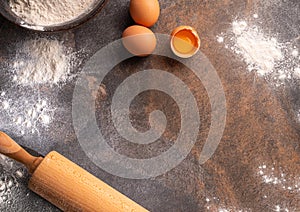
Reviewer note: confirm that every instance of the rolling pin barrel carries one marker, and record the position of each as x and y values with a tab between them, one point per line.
65	184
71	188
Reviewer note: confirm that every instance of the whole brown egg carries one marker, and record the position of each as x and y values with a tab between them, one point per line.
139	40
144	12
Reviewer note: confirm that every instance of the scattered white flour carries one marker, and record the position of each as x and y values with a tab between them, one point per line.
42	61
11	173
5	105
220	39
297	114
295	53
297	72
213	203
39	63
279	208
26	114
223	210
259	51
238	27
50	12
262	53
228	209
278	178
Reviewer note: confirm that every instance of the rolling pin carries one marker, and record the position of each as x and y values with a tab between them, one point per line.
65	184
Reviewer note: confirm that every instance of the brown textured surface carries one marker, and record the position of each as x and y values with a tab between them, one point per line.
261	127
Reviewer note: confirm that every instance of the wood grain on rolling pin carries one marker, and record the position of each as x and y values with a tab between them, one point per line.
71	188
11	149
7	145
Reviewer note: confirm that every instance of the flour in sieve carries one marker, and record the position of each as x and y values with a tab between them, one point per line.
50	12
42	61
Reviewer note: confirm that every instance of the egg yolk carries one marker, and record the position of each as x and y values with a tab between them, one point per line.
185	42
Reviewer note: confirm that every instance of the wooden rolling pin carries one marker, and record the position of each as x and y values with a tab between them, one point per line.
65	184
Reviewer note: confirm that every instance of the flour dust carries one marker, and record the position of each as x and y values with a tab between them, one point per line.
43	61
25	115
262	53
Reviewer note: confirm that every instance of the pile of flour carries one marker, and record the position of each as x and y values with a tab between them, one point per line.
259	51
50	12
42	61
262	53
38	63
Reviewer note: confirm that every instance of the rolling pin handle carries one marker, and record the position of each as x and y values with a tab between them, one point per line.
12	150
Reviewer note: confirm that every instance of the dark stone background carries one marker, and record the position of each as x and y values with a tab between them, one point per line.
261	128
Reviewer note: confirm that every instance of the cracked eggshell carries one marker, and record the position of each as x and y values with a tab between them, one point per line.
185	41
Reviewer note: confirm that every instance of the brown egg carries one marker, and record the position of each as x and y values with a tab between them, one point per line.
144	12
185	41
139	40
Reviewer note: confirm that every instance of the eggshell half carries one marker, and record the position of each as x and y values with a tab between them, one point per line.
185	41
